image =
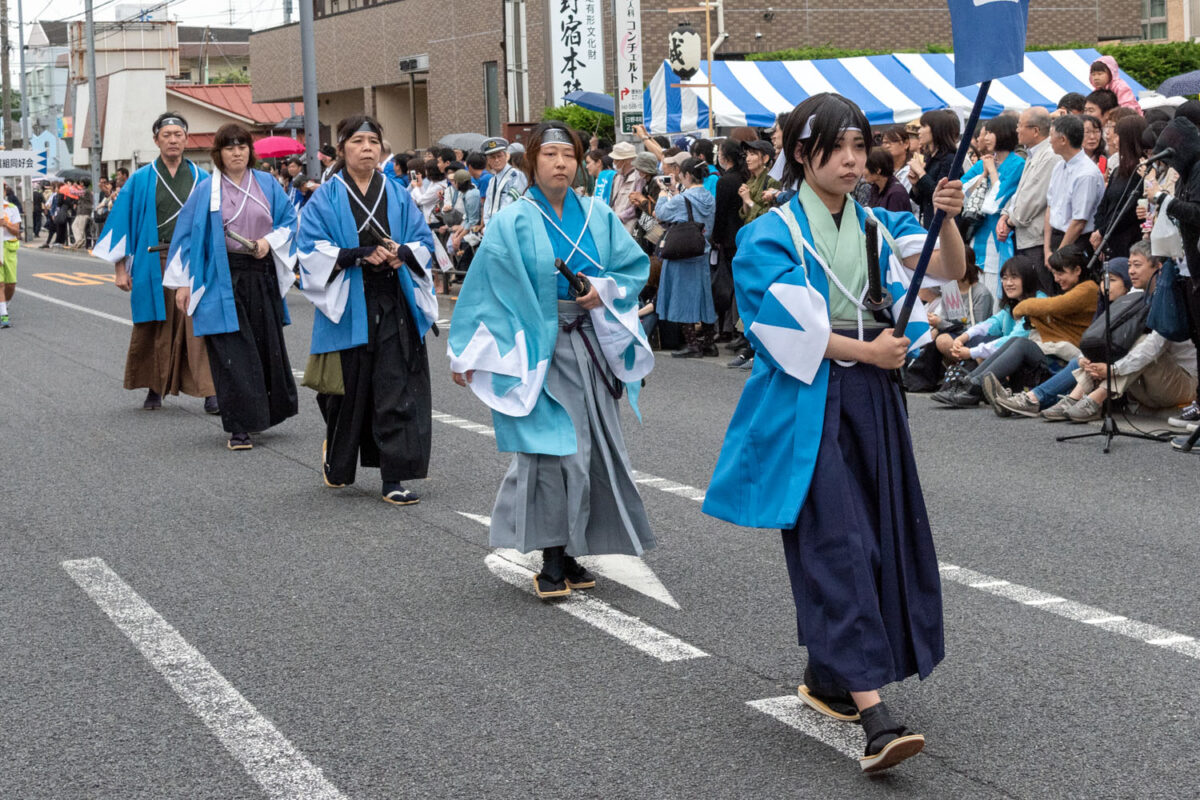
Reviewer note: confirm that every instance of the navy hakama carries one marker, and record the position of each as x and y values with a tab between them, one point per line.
861	558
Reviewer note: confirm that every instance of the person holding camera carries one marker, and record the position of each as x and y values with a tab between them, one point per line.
685	286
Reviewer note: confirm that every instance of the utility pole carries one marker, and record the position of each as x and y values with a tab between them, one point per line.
26	182
93	105
6	92
308	71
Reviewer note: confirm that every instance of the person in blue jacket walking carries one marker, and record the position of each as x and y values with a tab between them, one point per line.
819	446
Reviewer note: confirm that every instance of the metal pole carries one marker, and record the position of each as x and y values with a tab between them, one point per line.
6	92
708	41
26	182
93	103
308	70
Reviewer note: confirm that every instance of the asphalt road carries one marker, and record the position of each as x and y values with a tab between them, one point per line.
180	621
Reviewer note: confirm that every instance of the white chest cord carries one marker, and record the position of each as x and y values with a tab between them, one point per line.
574	244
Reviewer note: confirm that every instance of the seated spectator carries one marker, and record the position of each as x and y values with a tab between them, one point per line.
1105	75
954	308
1099	103
1058	324
1018	282
1156	373
1071	103
886	192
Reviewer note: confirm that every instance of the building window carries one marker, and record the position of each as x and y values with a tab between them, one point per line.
1154	19
491	96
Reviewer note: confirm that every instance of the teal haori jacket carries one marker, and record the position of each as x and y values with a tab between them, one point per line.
130	231
505	323
766	464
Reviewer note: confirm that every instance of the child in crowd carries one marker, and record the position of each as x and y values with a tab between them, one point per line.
1104	74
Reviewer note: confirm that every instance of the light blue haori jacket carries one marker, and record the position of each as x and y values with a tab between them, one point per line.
505	323
603	190
198	258
990	252
766	464
129	232
326	226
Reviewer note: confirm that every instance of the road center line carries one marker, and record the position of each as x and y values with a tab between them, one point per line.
270	759
629	629
1078	612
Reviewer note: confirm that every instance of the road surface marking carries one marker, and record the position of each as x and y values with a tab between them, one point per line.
629	629
84	309
270	759
844	737
1078	612
628	571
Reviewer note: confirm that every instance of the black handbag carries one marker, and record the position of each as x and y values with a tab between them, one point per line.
1128	322
682	239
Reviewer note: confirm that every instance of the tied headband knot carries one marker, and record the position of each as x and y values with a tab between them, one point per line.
367	126
165	121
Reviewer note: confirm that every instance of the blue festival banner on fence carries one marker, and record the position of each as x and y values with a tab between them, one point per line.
989	38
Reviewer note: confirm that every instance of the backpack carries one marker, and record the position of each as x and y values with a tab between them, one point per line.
1128	317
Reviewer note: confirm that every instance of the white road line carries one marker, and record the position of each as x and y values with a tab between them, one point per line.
1078	612
629	629
270	759
111	317
845	737
628	571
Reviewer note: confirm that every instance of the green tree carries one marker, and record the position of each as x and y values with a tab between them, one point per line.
582	119
239	75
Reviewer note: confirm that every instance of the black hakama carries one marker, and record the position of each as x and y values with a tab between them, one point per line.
861	558
385	418
254	383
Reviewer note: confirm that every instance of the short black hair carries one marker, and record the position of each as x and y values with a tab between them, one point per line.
1071	127
826	115
1069	255
604	144
158	121
1005	129
477	161
702	148
1163	113
695	167
1072	102
445	154
1103	99
880	162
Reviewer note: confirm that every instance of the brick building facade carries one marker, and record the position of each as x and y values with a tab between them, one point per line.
359	45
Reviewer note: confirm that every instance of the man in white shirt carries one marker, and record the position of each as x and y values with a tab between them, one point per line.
507	183
1024	216
1076	187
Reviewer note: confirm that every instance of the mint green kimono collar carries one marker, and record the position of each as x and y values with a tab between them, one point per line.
844	249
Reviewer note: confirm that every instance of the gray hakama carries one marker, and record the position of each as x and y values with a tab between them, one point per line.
586	501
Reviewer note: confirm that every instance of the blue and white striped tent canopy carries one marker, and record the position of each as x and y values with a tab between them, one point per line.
889	88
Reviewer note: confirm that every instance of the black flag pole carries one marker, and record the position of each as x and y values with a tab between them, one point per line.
935	227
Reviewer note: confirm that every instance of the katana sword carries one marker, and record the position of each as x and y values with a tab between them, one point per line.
579	283
878	298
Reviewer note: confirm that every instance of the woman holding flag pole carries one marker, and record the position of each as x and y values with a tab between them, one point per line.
818	283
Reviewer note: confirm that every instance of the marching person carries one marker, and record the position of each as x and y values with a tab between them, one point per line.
364	253
231	265
10	241
165	357
507	183
552	360
819	445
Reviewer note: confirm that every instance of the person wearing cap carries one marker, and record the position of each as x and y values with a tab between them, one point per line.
553	359
507	183
626	181
233	288
759	155
165	357
646	165
364	251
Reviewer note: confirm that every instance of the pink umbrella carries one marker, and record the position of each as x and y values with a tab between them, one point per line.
276	146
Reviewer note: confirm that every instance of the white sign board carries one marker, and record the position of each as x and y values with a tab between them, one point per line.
22	162
629	64
576	48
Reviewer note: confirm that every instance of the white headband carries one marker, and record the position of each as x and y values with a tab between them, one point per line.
807	132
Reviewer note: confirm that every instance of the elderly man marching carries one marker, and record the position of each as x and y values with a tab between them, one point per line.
164	356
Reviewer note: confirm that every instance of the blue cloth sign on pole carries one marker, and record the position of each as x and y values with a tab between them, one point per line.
989	42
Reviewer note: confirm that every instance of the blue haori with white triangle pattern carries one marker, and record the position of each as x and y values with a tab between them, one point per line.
766	464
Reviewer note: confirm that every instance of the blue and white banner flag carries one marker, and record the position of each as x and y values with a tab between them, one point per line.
989	39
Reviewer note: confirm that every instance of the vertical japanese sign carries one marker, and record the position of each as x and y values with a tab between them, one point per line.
576	48
628	29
